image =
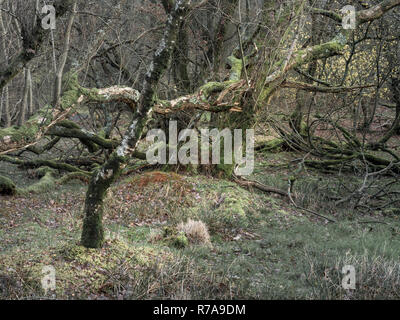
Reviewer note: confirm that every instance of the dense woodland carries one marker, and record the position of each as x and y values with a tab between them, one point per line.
318	84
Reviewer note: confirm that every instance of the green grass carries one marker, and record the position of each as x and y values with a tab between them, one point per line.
262	247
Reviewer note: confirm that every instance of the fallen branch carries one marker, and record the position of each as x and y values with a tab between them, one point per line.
43	163
255	184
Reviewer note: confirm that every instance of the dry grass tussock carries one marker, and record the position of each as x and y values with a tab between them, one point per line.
195	231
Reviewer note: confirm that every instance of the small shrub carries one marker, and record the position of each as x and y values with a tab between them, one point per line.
171	237
180	241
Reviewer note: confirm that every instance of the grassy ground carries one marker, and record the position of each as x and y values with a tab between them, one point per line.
261	246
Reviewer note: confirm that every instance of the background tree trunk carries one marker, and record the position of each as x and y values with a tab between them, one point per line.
64	56
24	104
5	103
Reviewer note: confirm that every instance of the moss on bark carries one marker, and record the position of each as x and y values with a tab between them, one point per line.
7	187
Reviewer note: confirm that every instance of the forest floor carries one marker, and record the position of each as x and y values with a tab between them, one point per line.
262	247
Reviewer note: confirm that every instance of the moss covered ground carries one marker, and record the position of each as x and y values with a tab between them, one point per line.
261	246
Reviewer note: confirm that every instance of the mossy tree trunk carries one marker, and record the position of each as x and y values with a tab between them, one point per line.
7	187
92	232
